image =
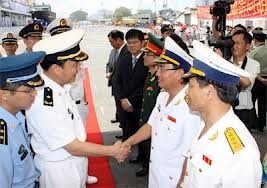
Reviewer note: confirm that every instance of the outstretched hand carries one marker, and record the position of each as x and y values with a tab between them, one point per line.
121	151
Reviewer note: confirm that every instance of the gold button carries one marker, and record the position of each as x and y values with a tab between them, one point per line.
170	177
168	128
149	94
190	157
200	170
152	147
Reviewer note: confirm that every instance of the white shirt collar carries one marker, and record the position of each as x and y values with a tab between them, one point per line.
119	50
137	57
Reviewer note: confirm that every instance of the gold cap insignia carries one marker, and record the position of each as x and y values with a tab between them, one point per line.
63	22
9	35
36	27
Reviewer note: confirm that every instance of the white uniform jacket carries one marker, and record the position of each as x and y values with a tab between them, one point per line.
54	122
226	156
173	130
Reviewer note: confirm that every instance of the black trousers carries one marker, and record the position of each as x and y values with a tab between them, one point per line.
246	116
259	92
116	115
129	121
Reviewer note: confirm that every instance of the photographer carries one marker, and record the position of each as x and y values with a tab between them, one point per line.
244	106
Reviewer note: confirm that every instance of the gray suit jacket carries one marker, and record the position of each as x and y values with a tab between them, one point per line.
112	66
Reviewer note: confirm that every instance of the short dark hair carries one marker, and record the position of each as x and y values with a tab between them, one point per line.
180	42
135	33
259	35
115	34
226	93
247	37
241	26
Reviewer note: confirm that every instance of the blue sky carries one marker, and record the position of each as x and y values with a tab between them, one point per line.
64	8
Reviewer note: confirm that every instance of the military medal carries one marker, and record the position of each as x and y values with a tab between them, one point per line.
207	160
172	119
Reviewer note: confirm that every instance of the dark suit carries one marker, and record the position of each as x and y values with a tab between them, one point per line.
111	67
112	63
129	84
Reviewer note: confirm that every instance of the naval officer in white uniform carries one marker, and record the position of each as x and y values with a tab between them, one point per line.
171	125
58	133
224	154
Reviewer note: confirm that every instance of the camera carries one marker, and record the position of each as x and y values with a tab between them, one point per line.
221	7
225	44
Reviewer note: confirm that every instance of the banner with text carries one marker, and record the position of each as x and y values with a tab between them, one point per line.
240	9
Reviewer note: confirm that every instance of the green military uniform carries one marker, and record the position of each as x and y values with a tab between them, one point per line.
259	90
151	91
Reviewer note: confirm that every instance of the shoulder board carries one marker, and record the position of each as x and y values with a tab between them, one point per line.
3	132
48	96
234	141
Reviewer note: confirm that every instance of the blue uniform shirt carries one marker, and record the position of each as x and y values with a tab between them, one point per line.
17	169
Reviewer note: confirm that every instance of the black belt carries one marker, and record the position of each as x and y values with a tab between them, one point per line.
78	102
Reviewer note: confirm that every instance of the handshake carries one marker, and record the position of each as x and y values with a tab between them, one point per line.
121	150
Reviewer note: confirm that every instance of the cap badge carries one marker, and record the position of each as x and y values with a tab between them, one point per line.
9	35
63	22
36	27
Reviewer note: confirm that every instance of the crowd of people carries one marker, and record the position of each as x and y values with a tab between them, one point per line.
191	112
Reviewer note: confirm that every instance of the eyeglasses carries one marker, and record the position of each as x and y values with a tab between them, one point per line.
163	69
29	91
146	39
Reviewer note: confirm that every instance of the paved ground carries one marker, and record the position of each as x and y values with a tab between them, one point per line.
95	43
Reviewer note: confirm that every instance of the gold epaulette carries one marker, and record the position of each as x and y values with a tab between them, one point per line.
48	96
234	141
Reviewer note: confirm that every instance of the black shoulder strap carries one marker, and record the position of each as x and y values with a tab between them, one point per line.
244	63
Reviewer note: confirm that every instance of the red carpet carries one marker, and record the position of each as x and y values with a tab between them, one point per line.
98	166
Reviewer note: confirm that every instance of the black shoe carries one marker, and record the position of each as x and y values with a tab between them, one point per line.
135	160
114	121
119	136
142	172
